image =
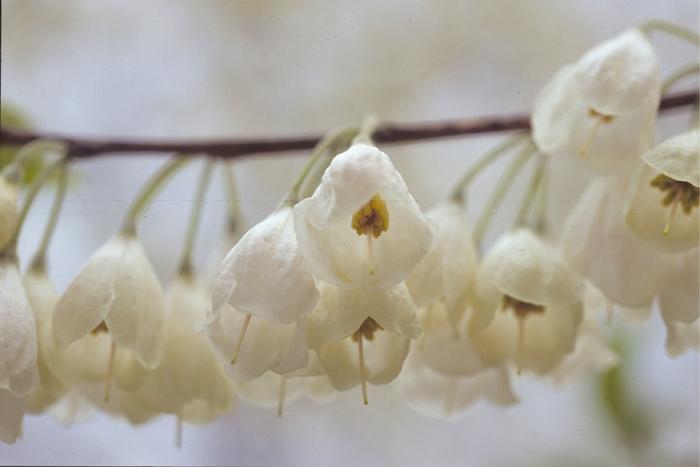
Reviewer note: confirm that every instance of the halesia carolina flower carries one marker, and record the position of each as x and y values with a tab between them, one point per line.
362	335
665	195
263	275
361	227
445	273
529	304
43	296
444	374
679	301
189	382
11	415
598	244
18	344
116	291
601	109
8	209
250	347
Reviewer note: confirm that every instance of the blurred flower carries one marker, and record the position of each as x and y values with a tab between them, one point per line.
445	273
361	227
115	291
263	274
602	107
18	343
9	215
11	415
668	180
679	301
528	304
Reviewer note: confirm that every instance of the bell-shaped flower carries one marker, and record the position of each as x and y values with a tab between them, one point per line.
662	205
445	273
43	296
679	301
528	305
444	374
598	245
9	214
11	415
601	109
249	346
361	227
189	382
117	290
263	275
362	335
18	344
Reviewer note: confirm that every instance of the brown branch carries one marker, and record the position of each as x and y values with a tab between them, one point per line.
230	148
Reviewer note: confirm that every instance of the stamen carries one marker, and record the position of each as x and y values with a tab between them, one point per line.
675	193
363	375
600	119
178	431
521	342
281	395
672	212
244	328
110	370
372	218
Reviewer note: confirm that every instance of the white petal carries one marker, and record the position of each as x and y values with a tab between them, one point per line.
11	414
681	337
679	292
677	157
264	275
597	243
9	214
620	74
18	344
265	390
591	354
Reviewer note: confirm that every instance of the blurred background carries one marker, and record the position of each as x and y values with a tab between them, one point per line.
215	68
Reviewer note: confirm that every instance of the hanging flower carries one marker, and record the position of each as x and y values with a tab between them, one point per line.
18	344
8	209
601	109
445	273
189	382
11	415
116	291
679	301
361	227
263	274
444	374
529	304
665	194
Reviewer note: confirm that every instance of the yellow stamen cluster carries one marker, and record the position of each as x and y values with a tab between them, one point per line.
367	330
372	218
521	309
602	117
686	194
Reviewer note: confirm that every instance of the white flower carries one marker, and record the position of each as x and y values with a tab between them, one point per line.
189	382
602	108
117	287
379	321
529	304
263	274
18	346
11	415
361	227
250	346
444	374
663	200
446	272
679	301
597	243
8	209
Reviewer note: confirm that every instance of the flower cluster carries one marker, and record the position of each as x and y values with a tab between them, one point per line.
354	285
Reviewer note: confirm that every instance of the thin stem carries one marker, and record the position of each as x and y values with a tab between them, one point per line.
110	371
672	29
532	190
281	395
10	249
367	130
338	146
540	214
363	370
195	216
149	190
680	73
241	336
35	147
39	261
178	431
457	193
233	212
502	186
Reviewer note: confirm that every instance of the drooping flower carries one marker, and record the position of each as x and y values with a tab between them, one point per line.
189	382
664	197
445	273
263	275
9	214
361	227
601	109
118	291
18	344
528	306
444	374
362	335
679	301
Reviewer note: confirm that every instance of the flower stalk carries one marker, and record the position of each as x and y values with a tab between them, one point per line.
185	267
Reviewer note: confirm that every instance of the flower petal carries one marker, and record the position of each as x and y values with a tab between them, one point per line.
11	414
677	157
679	291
